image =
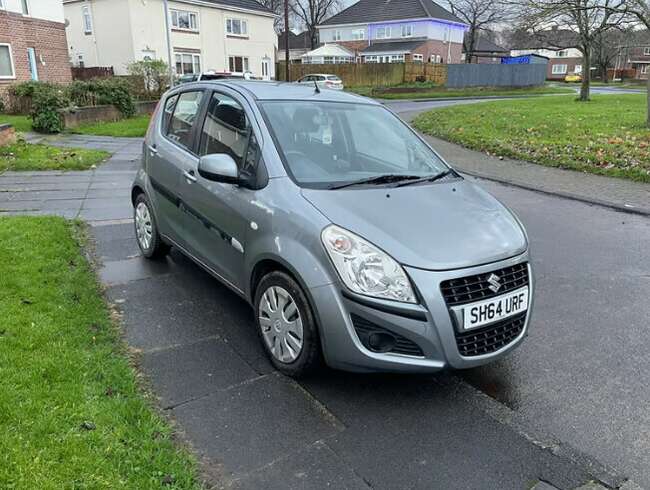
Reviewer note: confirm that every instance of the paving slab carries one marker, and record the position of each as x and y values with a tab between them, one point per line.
313	468
254	424
190	371
124	271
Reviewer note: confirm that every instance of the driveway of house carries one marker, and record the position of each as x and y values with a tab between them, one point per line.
549	413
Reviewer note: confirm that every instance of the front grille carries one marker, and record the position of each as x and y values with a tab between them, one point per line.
474	288
365	328
491	338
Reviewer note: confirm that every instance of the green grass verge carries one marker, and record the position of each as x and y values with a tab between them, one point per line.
441	92
132	127
25	156
71	412
20	123
605	136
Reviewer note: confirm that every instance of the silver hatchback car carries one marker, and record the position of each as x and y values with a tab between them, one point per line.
354	242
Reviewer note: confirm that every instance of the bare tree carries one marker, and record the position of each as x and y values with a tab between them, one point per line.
588	18
606	47
312	13
277	7
479	15
640	10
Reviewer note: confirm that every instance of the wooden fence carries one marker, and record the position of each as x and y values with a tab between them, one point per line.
92	72
371	74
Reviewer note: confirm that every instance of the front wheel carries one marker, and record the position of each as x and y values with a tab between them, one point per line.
286	325
146	230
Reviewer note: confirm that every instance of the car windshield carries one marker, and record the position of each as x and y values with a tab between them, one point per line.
331	144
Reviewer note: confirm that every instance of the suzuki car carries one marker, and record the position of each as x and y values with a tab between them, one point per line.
351	238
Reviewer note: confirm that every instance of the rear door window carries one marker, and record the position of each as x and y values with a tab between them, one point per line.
183	118
226	128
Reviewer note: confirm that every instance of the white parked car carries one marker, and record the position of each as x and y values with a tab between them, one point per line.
323	80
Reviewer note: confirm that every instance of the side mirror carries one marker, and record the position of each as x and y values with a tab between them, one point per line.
219	167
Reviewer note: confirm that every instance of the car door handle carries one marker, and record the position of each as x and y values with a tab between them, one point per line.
189	176
153	149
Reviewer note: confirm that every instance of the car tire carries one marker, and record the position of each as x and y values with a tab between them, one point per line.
285	320
146	229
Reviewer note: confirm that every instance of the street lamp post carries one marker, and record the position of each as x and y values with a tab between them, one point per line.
169	44
287	72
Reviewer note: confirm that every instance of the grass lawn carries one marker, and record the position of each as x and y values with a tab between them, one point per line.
132	127
20	123
441	92
605	136
25	156
71	412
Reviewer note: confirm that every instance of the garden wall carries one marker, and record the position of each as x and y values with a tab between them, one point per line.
101	113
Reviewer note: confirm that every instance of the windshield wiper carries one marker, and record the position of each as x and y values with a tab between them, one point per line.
377	179
429	178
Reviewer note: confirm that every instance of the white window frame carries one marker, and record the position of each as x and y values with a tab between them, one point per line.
11	63
646	51
243	27
419	58
196	57
174	13
407	30
358	34
80	61
386	32
370	59
245	64
563	53
644	69
577	69
397	58
24	7
337	35
559	69
86	19
2	5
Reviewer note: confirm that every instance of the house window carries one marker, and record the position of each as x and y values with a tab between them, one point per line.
559	69
2	5
644	69
646	51
397	58
407	30
337	35
562	54
358	34
383	32
436	58
6	62
418	58
237	27
182	19
578	69
238	64
370	59
87	20
80	61
25	7
336	60
187	63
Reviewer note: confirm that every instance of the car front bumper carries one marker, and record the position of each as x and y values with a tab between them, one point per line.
429	325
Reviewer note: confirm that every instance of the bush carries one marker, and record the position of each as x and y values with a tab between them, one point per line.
47	100
117	92
149	77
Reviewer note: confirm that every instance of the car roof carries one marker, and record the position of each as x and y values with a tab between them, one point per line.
260	90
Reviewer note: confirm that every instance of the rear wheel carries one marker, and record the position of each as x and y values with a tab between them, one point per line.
286	325
146	230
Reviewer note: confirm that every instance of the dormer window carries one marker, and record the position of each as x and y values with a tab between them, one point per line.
646	51
358	34
407	30
562	54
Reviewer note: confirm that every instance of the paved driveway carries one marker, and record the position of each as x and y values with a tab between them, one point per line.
574	377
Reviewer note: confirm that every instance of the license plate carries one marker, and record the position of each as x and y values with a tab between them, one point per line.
494	309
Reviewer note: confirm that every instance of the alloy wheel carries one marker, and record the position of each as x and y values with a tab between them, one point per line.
143	225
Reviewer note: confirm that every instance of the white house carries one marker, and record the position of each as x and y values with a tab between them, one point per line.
233	36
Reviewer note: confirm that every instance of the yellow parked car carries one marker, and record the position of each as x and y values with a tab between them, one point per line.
573	78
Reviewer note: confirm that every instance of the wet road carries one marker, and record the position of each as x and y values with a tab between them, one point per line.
583	373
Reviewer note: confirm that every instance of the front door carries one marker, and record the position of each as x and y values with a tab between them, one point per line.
168	156
266	69
218	221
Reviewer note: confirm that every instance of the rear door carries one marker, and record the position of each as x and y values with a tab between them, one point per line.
169	154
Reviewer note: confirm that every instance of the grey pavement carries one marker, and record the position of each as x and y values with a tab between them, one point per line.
575	394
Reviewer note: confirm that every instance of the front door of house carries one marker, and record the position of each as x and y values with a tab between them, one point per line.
266	69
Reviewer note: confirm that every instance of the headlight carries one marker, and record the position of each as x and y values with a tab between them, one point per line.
364	268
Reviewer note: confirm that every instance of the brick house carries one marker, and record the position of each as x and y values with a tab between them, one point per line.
485	51
32	42
561	61
395	31
635	57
